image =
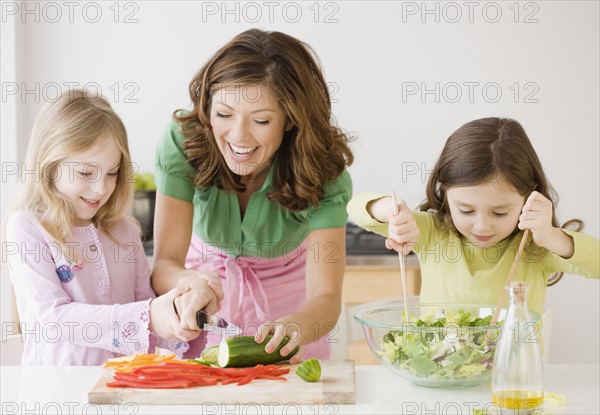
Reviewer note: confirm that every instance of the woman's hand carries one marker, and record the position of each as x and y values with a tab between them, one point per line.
163	319
403	230
280	329
537	217
202	290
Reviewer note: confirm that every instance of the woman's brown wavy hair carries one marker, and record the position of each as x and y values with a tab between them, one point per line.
486	150
313	151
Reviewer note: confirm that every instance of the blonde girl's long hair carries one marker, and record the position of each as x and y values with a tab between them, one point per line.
74	123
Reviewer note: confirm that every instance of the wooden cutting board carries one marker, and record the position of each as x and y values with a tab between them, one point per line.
336	386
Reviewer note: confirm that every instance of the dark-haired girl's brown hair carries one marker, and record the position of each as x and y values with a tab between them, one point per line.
312	152
485	150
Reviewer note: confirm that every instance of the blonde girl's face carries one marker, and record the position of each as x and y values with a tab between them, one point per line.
248	124
88	179
485	213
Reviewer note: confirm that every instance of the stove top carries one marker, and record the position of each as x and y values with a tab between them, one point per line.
362	242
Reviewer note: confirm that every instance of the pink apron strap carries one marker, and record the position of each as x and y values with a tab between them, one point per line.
241	277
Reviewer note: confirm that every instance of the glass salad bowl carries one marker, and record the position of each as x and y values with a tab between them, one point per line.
442	345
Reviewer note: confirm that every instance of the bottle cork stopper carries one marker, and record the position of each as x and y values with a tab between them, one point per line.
519	284
518	290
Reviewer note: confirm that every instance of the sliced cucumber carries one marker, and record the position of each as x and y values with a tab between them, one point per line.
211	355
243	351
310	370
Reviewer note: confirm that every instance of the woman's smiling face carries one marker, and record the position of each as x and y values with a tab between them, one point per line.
248	125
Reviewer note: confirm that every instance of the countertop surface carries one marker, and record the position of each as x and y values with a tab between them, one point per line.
64	390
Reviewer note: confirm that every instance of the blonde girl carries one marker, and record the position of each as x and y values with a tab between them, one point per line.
76	262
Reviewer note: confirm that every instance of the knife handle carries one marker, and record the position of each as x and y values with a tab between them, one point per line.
201	319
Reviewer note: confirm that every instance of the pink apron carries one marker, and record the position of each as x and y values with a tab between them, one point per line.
257	289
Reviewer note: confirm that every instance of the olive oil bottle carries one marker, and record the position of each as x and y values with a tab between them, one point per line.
517	371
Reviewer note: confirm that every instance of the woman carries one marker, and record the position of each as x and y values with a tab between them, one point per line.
252	193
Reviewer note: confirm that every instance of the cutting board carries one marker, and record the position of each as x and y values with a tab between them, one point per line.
336	386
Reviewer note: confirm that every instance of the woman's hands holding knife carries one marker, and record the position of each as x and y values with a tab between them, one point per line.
173	315
203	291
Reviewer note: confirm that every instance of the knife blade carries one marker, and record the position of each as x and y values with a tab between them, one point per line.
215	324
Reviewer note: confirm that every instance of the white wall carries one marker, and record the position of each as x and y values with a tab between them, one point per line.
374	54
8	145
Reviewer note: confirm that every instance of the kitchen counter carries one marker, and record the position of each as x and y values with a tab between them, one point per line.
63	390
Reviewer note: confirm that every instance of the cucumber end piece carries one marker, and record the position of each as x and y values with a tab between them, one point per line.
310	370
210	355
223	358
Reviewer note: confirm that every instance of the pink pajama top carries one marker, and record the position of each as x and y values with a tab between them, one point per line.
86	310
261	256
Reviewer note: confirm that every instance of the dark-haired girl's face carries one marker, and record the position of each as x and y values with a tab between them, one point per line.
485	213
248	124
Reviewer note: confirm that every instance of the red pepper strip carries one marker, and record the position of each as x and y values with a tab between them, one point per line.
280	371
226	372
162	369
260	376
150	370
258	371
163	385
253	373
257	368
270	377
176	375
153	376
144	380
231	380
145	375
197	379
191	381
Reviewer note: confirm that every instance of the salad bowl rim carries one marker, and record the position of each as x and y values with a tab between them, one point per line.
359	316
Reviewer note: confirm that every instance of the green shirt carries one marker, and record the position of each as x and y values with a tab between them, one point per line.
267	230
458	272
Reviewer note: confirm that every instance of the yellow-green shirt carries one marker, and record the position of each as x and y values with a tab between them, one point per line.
455	271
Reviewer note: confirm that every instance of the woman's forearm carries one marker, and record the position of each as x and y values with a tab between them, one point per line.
172	235
316	318
165	274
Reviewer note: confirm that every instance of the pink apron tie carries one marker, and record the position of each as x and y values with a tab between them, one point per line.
240	278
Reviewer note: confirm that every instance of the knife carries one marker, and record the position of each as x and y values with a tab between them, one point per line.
215	324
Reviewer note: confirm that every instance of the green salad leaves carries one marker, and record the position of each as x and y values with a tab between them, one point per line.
447	347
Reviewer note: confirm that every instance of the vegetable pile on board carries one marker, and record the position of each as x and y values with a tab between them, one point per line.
166	372
184	375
